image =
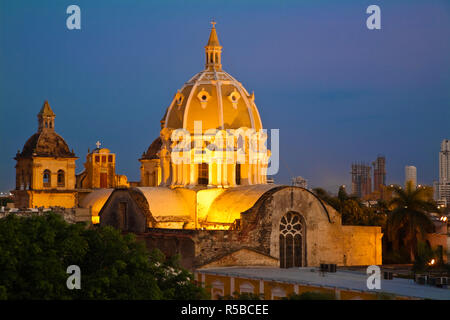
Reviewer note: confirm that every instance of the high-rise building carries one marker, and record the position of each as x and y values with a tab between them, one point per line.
444	162
379	173
361	179
411	175
442	188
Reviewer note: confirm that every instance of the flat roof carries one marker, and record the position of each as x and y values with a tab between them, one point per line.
342	279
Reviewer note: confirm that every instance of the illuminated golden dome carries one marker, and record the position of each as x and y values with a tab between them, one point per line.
213	97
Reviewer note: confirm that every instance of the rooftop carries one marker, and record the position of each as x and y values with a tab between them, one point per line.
342	279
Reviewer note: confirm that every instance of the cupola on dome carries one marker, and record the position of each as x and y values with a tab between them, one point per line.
213	97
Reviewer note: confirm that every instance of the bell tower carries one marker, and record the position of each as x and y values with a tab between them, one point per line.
46	118
213	51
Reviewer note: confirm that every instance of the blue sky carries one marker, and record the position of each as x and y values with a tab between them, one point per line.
337	91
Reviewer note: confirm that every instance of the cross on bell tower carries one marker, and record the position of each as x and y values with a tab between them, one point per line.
213	50
98	144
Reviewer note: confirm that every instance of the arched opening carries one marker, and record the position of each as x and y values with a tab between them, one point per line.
146	179
292	240
61	178
246	287
154	179
203	174
47	178
217	290
238	173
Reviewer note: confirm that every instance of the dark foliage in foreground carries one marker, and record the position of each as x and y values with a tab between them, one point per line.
36	251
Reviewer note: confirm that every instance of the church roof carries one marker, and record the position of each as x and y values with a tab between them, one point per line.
213	40
46	110
153	149
96	200
46	144
213	97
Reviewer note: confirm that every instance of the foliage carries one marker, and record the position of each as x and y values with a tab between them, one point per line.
36	251
352	210
5	200
424	255
404	219
400	256
311	295
408	220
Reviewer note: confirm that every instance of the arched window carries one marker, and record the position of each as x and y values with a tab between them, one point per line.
154	179
203	174
61	178
47	178
278	293
292	241
217	290
238	173
27	181
246	287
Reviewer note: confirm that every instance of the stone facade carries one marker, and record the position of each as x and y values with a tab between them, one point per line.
45	168
100	171
321	238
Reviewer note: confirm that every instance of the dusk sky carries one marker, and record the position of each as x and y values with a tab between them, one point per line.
337	91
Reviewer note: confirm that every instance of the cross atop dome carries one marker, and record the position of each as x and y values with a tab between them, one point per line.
213	50
98	144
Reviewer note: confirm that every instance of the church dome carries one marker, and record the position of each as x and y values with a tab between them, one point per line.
153	149
213	97
46	142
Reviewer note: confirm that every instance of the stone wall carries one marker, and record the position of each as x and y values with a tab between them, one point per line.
126	210
327	241
196	247
361	245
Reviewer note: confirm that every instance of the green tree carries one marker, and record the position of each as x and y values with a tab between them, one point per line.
36	251
408	220
352	210
5	200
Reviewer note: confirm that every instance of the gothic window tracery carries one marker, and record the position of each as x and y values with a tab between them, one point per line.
292	240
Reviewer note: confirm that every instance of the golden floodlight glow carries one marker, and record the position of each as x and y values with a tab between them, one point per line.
95	219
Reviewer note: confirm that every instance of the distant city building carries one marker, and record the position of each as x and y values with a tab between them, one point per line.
442	188
444	162
361	179
379	173
411	175
300	182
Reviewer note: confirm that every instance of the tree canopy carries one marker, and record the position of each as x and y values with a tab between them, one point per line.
36	251
352	210
408	220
